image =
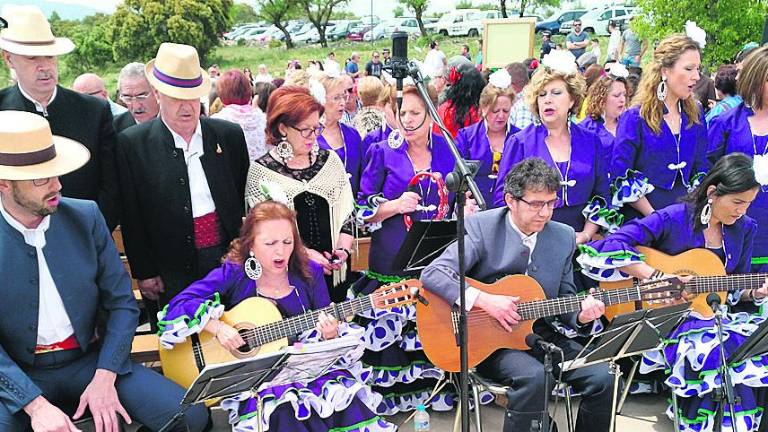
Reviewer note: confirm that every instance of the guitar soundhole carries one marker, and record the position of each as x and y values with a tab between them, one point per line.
247	350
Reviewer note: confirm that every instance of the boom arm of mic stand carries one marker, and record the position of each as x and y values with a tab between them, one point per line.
461	164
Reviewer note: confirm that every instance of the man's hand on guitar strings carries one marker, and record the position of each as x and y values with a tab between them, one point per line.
591	309
502	308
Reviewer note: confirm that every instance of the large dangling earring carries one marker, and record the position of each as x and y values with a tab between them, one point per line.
284	149
395	139
252	267
315	150
706	212
661	90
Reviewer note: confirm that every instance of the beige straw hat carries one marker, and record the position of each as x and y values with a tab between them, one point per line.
29	33
29	151
176	72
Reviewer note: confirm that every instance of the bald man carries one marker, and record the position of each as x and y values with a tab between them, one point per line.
92	84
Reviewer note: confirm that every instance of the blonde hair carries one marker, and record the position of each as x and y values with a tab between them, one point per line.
368	90
597	95
491	93
386	94
574	84
298	77
752	78
330	83
666	54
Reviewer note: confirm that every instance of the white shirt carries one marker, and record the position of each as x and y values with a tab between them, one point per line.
199	192
53	324
434	63
471	293
38	106
613	45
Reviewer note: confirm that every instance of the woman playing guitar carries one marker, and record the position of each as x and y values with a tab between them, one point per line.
269	260
712	217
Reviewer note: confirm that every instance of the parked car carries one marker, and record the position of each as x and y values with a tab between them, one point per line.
385	29
240	30
312	36
446	22
472	24
252	35
356	33
596	21
553	24
340	30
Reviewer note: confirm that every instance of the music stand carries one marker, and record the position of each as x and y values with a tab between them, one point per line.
629	334
756	345
425	241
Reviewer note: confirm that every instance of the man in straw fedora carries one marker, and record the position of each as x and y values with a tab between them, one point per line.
31	51
182	181
60	267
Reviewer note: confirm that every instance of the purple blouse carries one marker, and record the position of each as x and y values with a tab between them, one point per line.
377	135
473	144
597	127
351	153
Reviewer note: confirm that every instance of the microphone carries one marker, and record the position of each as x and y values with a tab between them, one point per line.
533	340
399	63
713	300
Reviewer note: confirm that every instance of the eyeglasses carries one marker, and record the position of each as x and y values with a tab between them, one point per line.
538	205
41	182
340	98
307	132
134	98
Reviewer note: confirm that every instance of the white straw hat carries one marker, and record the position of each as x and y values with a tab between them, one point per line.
176	72
29	33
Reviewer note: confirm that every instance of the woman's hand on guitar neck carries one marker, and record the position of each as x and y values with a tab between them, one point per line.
227	336
503	308
327	325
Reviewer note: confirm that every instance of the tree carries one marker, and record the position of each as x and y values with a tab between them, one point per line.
138	27
418	7
535	4
241	13
398	11
319	12
278	12
729	25
464	4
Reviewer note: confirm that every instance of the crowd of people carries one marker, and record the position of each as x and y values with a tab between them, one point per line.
228	185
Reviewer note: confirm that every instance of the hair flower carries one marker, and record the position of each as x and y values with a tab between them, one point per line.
560	61
500	79
696	33
317	90
618	70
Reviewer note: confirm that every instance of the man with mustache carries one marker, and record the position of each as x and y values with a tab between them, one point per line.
31	51
60	266
182	181
136	93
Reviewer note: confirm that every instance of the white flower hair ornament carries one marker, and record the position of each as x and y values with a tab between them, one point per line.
696	33
500	79
561	61
760	166
317	90
618	70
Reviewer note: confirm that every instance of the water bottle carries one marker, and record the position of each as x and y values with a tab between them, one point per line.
421	419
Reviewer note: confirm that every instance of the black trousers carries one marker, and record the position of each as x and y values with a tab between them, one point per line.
523	372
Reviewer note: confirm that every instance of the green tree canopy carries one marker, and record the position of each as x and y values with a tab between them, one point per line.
729	24
241	13
319	12
278	12
418	7
138	27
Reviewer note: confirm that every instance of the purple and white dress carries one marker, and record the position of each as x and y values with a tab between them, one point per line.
692	355
728	133
661	167
338	400
597	127
473	144
351	153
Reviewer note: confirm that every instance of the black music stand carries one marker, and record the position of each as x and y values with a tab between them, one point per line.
425	241
629	334
756	345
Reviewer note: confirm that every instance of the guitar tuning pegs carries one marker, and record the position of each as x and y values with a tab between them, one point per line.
419	297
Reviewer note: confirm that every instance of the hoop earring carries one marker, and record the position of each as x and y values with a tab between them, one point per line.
284	149
706	212
661	89
252	267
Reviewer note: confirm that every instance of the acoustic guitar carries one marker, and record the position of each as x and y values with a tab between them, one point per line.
264	330
709	276
438	321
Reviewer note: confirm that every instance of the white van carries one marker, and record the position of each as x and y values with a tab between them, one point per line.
472	25
596	21
444	24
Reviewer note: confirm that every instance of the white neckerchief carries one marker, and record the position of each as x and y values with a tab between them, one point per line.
53	324
199	191
38	106
528	240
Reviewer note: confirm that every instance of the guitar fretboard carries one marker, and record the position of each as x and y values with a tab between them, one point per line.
706	284
551	307
300	323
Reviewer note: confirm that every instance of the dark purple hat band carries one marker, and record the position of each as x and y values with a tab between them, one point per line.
176	82
29	158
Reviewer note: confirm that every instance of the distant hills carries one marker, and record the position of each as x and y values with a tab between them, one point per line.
67	11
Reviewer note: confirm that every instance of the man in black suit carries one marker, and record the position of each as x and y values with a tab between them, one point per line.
182	180
31	50
136	92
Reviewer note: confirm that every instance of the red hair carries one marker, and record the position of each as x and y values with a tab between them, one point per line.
233	87
289	105
240	248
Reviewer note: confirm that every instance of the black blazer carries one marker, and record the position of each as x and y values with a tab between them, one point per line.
157	224
88	120
123	121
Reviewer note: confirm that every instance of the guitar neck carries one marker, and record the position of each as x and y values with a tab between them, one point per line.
552	307
300	323
707	284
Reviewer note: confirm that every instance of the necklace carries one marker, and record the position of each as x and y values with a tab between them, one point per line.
565	183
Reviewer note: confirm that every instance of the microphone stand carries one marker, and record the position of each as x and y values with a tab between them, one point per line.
458	182
725	394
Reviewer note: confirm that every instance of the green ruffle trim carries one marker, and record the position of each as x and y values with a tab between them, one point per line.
759	260
397	368
630	174
611	216
382	278
360	425
704	414
195	320
617	255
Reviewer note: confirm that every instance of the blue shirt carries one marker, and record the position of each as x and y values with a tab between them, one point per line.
352	68
724	105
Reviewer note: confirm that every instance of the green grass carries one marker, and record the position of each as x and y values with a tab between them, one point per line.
276	59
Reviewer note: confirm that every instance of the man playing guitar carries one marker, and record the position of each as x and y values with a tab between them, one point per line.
521	239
